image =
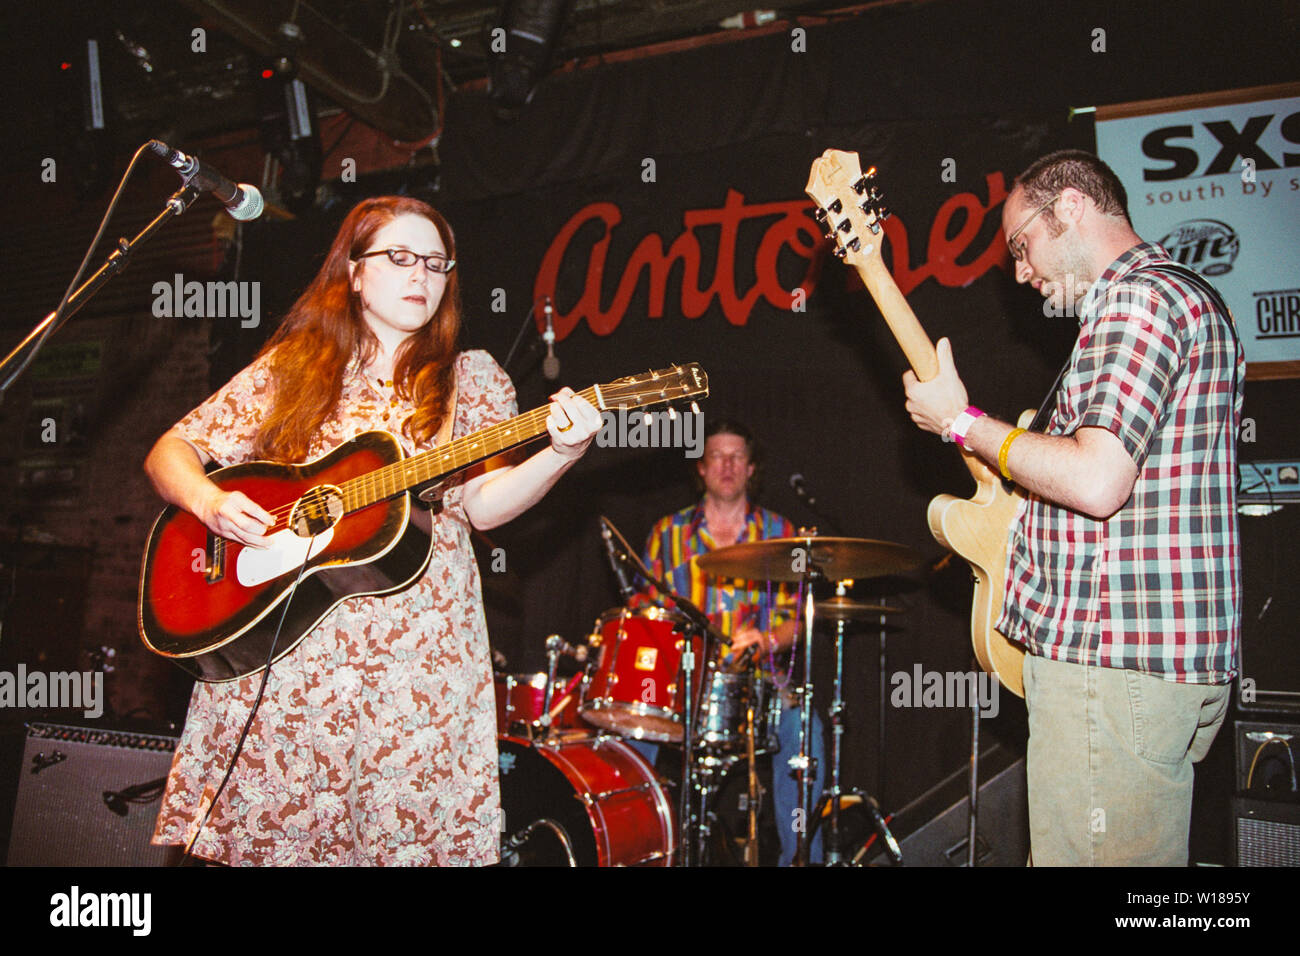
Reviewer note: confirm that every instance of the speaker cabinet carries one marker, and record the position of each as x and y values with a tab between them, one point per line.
933	829
89	798
1270	565
1265	832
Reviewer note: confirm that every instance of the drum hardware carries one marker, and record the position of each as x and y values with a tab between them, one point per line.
697	633
807	559
519	839
751	804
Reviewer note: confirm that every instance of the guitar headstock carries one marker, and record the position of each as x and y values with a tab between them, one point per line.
663	386
850	208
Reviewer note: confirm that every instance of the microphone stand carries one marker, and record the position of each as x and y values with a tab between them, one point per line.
698	625
176	204
832	523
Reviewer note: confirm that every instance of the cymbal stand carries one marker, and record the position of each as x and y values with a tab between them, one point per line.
804	764
832	850
751	694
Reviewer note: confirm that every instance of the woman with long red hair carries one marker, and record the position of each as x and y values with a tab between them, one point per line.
375	742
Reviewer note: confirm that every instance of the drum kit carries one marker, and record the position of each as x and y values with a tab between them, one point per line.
575	790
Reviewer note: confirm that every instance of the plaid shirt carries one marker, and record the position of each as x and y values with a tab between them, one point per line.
1156	587
679	537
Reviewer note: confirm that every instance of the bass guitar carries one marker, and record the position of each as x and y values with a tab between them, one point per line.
212	605
851	209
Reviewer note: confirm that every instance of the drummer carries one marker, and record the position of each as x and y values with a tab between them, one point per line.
758	614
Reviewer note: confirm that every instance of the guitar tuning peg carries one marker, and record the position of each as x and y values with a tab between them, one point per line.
845	226
854	244
839	252
819	214
836	207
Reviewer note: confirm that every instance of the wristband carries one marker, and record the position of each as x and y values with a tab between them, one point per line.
1006	447
962	423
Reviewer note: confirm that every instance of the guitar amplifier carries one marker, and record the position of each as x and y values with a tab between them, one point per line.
1265	832
89	798
1270	667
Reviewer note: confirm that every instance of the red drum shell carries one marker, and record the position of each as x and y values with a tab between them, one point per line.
633	690
599	790
520	699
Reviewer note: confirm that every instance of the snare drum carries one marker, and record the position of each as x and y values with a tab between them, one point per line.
594	795
634	688
722	714
521	699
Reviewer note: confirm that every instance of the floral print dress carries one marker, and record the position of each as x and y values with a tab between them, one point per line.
375	742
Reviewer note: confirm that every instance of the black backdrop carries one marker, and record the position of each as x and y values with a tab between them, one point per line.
974	91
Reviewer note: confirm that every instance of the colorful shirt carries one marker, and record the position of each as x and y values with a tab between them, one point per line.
376	740
1156	587
730	606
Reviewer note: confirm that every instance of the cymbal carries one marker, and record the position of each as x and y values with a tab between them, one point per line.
785	559
841	608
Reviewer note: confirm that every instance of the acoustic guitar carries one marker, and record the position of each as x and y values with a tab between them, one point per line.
212	605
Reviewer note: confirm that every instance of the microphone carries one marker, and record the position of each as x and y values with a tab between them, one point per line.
242	201
796	482
550	364
560	645
616	562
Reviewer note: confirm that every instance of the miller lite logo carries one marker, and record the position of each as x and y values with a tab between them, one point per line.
1206	245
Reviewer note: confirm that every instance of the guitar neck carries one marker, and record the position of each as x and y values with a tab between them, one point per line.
900	318
434	465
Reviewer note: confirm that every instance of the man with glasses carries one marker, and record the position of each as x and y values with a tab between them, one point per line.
1124	578
752	616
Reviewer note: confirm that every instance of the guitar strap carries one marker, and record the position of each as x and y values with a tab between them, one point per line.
1168	268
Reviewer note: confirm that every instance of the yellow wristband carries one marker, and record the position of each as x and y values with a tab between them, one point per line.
1006	447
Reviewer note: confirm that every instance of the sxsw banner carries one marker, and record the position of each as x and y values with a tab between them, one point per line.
1216	180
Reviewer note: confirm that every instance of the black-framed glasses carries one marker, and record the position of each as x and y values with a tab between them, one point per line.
405	258
1018	251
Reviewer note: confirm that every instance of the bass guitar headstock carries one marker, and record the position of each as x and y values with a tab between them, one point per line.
850	207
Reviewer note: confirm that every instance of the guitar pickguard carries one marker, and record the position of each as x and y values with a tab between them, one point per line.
287	553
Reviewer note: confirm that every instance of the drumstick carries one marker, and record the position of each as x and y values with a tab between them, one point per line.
555	711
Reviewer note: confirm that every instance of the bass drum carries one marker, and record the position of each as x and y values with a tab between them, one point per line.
584	801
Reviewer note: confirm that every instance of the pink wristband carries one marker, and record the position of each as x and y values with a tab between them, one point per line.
962	423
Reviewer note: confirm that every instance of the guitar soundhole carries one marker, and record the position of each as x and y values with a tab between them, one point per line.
316	511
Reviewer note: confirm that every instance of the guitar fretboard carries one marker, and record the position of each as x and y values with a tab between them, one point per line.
430	466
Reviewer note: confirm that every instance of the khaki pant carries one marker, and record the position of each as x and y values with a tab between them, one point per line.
1110	763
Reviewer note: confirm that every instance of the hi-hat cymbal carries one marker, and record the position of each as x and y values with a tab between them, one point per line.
786	559
841	608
